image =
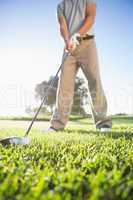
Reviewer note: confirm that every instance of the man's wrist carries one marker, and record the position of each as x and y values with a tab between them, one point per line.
81	34
67	39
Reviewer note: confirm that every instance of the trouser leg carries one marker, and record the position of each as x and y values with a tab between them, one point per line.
90	67
65	93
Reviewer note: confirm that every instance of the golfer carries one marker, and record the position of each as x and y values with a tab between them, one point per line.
76	19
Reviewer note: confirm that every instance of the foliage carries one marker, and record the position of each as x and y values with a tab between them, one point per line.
80	94
41	91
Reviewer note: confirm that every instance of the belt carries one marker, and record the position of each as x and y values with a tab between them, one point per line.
87	37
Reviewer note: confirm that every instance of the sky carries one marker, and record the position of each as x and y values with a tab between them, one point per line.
31	51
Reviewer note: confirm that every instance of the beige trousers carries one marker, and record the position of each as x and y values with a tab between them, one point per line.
85	56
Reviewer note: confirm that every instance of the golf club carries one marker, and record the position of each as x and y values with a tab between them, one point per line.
25	140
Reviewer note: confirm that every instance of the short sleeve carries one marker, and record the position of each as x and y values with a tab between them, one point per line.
91	1
60	9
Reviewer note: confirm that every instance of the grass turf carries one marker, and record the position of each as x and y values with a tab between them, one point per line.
79	163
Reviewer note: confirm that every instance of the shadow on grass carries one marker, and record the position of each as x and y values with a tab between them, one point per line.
114	134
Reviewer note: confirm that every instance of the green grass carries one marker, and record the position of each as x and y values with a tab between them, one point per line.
77	164
39	118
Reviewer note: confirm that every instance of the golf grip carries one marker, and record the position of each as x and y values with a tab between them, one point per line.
45	97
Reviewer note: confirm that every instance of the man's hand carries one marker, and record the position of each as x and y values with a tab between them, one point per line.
70	46
72	43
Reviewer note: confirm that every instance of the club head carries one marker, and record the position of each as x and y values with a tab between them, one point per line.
15	141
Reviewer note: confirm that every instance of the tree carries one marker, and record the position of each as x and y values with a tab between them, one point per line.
41	90
80	95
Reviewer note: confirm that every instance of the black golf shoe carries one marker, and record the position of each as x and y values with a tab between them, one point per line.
104	126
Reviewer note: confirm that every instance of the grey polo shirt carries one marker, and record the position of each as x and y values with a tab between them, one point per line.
74	12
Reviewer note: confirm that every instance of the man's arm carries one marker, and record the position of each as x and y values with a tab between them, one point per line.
64	29
63	26
89	20
69	46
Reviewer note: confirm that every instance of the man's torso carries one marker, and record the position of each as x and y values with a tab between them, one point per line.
75	11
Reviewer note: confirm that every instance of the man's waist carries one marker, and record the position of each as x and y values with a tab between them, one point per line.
85	37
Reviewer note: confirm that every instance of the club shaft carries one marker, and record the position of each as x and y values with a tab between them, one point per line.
45	97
